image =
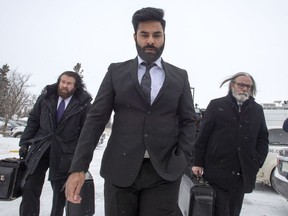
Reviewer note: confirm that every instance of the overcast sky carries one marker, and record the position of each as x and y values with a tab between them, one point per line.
211	39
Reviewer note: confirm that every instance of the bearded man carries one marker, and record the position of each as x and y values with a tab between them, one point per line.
50	138
232	144
153	128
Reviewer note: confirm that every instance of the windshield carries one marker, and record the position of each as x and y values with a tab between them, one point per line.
278	136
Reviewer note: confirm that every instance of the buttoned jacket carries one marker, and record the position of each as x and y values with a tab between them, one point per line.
232	143
166	128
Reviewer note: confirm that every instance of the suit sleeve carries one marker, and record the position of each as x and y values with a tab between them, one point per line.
187	122
96	120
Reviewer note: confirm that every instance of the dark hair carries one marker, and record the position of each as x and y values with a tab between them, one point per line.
148	14
79	85
232	80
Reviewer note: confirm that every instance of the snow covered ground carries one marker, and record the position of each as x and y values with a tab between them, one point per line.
264	201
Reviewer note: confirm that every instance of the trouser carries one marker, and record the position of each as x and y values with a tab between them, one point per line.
59	198
30	204
149	195
229	201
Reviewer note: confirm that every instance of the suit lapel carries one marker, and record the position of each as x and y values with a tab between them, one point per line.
167	72
134	75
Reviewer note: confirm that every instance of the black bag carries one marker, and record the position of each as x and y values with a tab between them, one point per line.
87	205
196	197
12	174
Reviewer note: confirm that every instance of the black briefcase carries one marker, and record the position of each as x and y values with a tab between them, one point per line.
196	197
87	205
12	174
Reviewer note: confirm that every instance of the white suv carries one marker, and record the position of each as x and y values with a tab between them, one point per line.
17	131
278	139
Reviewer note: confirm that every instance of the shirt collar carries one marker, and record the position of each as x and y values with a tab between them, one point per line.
67	100
157	62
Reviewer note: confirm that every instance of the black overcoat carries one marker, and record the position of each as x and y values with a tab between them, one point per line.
43	132
232	142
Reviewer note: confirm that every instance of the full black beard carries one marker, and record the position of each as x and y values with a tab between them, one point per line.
149	57
65	95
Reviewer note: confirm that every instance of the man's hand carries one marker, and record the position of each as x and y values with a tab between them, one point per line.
73	186
198	171
23	151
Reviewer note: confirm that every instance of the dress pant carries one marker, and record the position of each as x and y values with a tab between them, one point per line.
229	201
59	198
30	204
149	195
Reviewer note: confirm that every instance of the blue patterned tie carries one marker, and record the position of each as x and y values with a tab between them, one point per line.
146	81
60	110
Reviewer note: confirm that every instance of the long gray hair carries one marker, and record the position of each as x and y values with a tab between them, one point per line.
232	80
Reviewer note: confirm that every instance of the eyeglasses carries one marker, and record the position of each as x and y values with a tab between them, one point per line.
242	85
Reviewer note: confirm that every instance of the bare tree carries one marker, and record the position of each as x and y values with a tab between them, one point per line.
77	69
4	85
26	107
18	99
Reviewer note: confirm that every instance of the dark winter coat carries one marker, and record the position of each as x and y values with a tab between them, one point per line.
232	142
42	131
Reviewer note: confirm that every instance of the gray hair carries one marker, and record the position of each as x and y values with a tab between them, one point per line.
232	80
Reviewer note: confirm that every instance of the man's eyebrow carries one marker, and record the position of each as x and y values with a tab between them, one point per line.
156	32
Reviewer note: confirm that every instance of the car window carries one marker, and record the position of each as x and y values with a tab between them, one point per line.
278	136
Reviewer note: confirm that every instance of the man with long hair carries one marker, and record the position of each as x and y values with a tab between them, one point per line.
232	144
50	138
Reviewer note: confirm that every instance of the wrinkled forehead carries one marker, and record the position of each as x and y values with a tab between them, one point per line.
69	79
244	79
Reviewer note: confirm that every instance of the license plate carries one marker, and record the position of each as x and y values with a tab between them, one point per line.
284	167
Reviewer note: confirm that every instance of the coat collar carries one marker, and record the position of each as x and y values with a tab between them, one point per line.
81	95
232	99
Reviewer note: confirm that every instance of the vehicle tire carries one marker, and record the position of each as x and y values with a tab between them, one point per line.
271	177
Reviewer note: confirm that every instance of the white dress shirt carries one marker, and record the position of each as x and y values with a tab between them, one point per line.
157	75
67	100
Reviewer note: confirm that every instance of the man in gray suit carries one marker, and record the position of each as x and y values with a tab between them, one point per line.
153	128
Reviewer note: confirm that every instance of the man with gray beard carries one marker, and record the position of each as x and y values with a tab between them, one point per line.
232	144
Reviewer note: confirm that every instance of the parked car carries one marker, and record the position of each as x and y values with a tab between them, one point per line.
21	123
9	127
278	139
17	131
280	177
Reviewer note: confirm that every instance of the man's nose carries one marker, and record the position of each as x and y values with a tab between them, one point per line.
150	40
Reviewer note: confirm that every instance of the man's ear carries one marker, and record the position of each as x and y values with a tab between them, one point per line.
135	36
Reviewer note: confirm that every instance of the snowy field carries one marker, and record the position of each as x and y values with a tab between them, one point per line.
262	202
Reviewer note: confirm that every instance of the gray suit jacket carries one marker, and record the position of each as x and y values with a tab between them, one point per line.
166	129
